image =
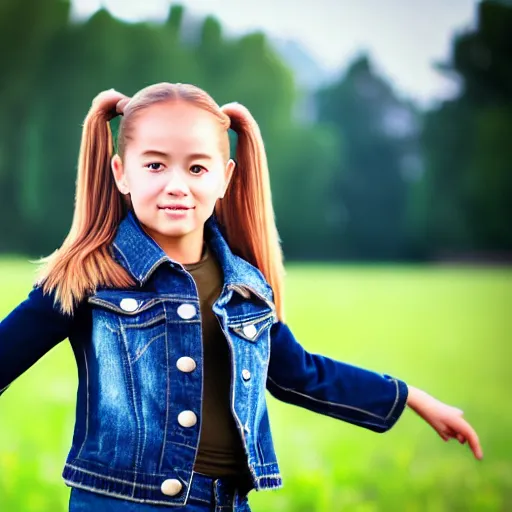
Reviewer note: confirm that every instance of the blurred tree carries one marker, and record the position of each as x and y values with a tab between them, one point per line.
307	211
379	135
26	30
466	194
74	61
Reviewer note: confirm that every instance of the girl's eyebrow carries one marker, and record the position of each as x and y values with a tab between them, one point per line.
200	156
162	154
154	152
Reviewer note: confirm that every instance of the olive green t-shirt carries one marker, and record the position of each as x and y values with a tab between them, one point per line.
221	452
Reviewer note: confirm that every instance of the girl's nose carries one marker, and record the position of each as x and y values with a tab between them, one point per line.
176	185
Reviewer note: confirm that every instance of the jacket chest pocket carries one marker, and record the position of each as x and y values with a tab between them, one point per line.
251	335
137	321
252	328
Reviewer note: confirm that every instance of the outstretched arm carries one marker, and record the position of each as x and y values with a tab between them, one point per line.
27	333
446	420
321	384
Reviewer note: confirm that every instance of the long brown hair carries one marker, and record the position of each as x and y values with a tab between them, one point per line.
84	261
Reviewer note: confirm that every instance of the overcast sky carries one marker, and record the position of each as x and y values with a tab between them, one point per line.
404	36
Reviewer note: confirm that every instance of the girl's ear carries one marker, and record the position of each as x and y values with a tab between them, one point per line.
119	175
228	173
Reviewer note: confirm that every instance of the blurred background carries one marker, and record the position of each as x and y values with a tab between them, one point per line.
388	132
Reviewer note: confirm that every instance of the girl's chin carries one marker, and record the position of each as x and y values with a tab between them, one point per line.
175	230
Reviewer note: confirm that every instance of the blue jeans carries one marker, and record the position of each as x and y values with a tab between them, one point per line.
206	495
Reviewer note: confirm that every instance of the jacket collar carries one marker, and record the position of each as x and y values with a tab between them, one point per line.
140	255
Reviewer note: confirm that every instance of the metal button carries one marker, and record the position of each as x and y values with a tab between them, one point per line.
187	418
246	374
250	330
129	304
171	487
187	311
186	364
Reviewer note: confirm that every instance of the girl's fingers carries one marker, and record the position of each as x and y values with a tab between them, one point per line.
443	436
467	433
474	444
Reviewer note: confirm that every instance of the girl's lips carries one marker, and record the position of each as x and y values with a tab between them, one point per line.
176	213
175	208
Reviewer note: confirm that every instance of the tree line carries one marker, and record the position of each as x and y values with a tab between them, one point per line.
372	178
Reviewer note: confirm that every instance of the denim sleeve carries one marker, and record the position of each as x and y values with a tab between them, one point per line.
29	331
326	386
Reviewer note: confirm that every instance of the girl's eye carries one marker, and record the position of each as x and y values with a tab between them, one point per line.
197	169
154	166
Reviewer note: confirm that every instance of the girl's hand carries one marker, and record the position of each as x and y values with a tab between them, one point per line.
446	420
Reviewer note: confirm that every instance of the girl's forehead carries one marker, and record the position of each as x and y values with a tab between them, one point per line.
170	120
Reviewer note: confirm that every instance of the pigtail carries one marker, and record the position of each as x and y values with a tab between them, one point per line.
84	262
246	210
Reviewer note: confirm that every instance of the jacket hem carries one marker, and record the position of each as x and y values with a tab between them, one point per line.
268	477
128	485
145	487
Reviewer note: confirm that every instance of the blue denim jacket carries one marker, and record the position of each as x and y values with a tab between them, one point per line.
131	439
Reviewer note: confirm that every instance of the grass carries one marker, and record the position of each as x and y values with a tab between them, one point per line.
445	330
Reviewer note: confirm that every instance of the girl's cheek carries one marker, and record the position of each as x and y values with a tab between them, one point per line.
210	185
148	186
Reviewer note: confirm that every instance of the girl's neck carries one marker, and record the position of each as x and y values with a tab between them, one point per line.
185	249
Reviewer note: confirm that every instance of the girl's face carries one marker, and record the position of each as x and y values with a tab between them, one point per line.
173	169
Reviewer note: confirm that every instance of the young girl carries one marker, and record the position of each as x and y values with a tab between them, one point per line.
169	288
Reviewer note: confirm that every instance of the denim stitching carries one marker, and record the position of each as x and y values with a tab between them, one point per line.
114	307
249	320
123	496
396	400
200	499
111	329
86	403
154	338
114	479
146	274
138	456
233	363
272	475
128	472
149	323
216	496
326	402
182	444
140	293
167	395
125	259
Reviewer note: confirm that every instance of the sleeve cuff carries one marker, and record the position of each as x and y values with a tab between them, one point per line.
400	403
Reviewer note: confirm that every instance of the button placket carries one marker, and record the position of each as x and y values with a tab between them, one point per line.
186	364
187	419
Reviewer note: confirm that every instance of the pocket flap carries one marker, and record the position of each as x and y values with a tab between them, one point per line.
123	302
251	329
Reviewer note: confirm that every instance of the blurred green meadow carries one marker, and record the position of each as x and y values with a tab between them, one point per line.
446	330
